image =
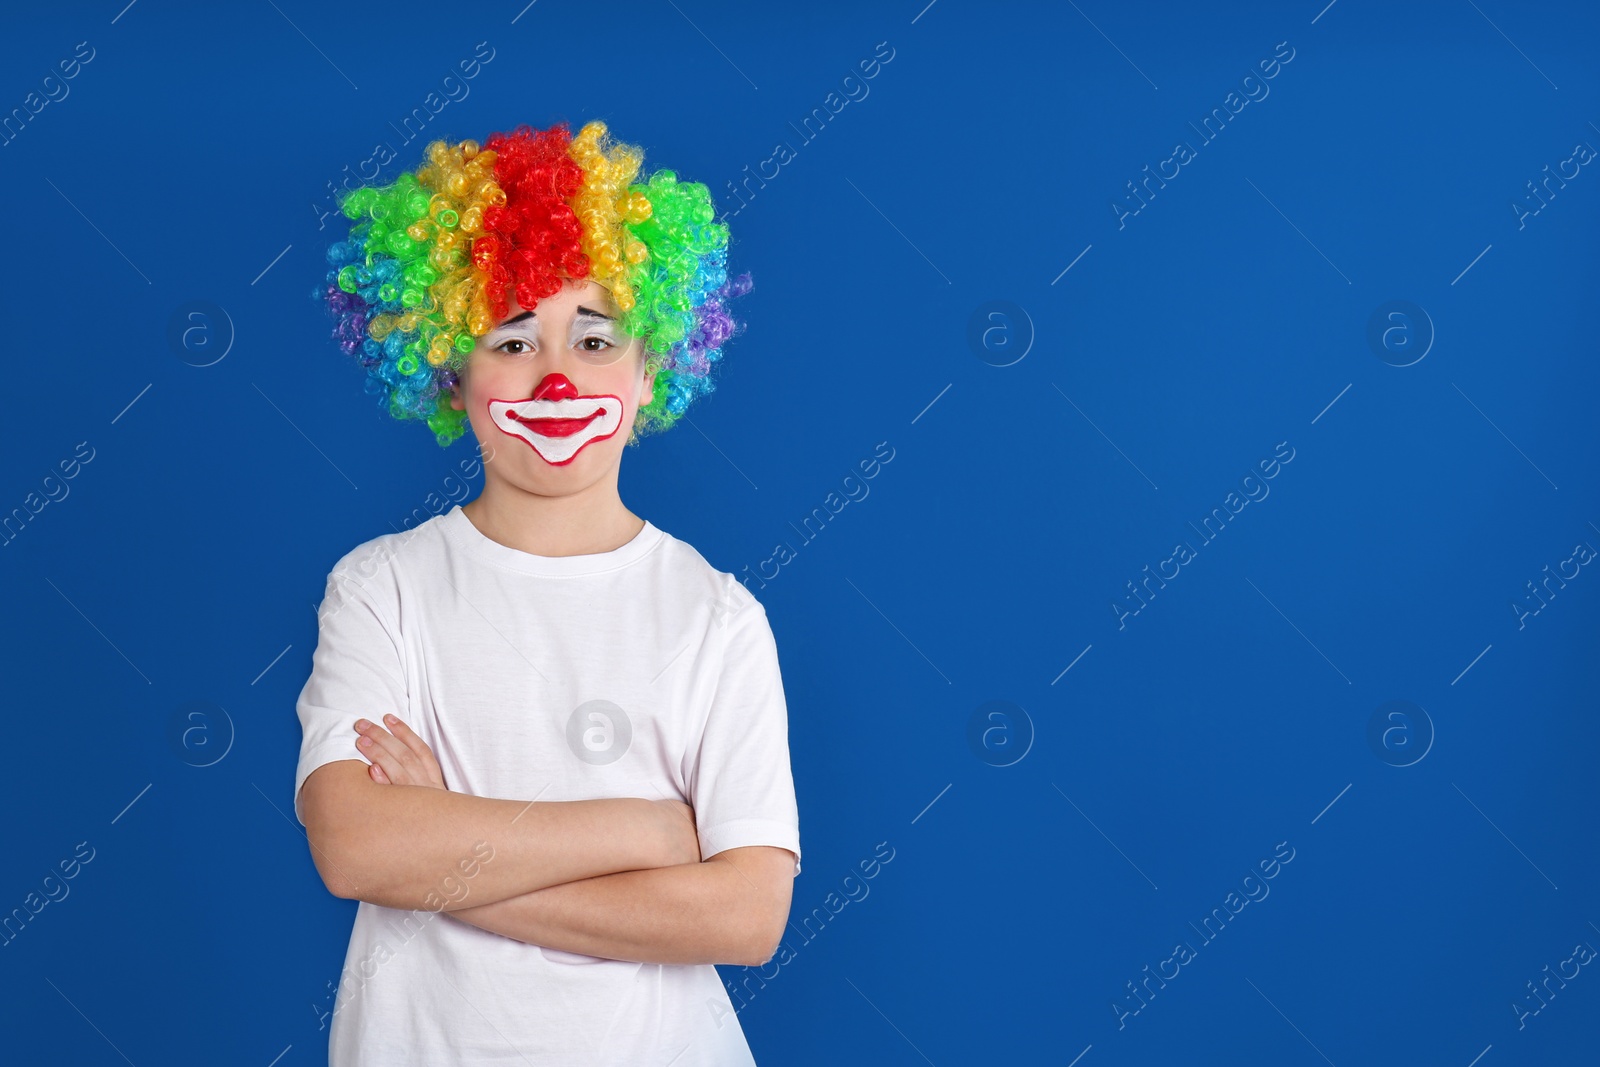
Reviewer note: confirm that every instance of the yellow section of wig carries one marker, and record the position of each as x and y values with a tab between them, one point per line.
604	207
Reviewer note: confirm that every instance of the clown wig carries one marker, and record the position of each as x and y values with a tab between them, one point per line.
433	258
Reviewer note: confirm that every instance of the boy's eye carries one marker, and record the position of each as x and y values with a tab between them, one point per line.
603	348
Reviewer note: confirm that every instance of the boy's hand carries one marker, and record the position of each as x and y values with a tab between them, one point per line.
398	758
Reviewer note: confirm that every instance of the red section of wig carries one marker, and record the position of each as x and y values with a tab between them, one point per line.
534	237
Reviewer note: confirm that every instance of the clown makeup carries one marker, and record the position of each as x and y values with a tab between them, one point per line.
593	335
557	377
558	422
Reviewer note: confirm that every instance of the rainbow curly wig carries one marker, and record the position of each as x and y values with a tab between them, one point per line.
433	258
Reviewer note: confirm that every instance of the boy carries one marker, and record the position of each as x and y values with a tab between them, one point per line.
545	742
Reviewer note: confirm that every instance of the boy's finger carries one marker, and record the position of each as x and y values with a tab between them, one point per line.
385	768
374	741
407	736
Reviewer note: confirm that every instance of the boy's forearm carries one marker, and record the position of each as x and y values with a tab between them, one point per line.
686	913
414	847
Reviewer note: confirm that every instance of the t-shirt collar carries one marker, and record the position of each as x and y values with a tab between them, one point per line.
461	530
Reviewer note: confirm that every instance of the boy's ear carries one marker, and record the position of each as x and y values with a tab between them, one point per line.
647	392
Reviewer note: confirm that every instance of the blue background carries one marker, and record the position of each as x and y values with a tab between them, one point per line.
1041	862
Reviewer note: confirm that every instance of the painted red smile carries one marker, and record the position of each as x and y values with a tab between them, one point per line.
557	421
554	427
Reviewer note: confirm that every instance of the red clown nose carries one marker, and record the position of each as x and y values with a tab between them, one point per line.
555	387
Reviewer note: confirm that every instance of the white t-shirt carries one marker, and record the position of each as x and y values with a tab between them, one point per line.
639	672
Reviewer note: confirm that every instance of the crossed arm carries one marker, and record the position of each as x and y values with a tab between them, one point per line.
618	878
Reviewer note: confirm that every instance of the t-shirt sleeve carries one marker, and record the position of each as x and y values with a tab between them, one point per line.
357	671
741	786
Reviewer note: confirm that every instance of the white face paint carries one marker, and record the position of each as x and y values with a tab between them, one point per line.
553	418
558	427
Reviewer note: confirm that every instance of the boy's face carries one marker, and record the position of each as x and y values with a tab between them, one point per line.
551	395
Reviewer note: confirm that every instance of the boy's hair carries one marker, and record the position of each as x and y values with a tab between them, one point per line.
434	256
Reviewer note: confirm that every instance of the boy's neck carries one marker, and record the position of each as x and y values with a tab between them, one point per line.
576	525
